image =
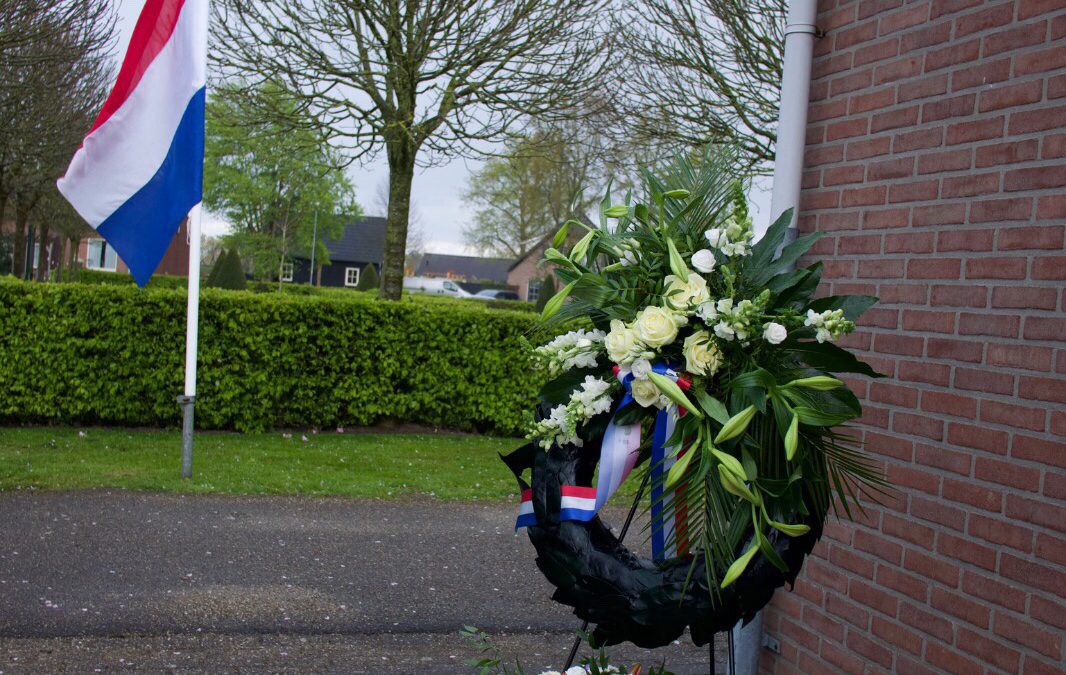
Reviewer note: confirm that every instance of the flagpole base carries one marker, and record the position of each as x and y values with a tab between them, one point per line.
187	404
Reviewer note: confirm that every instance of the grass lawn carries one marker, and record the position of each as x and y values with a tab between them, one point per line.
356	465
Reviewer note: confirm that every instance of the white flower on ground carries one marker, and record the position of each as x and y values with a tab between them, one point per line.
645	393
657	326
686	294
701	354
621	343
703	260
640	369
774	333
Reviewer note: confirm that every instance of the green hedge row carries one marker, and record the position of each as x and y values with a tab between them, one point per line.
95	354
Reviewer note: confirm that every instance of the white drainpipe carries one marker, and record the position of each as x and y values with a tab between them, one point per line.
788	174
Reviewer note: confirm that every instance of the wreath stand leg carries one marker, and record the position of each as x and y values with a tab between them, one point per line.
621	536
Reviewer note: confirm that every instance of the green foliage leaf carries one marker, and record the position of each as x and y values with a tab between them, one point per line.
830	358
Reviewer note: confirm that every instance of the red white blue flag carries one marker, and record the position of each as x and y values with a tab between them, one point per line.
140	170
576	502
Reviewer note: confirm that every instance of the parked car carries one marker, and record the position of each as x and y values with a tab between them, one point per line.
434	286
496	294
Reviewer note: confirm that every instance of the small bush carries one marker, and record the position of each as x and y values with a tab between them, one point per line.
368	279
228	272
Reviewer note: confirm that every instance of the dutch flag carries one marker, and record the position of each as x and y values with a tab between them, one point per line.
576	503
140	170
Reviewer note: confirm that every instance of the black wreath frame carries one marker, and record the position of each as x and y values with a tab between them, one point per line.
630	599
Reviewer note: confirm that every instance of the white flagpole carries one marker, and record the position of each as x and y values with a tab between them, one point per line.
192	327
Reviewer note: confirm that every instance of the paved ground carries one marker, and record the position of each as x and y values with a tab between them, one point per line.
105	581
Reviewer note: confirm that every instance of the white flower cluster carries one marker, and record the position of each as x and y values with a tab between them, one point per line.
653	328
733	238
576	349
560	427
829	325
731	322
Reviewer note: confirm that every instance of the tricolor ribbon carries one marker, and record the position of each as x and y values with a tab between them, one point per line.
576	503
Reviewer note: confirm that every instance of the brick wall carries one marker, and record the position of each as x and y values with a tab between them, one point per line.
936	166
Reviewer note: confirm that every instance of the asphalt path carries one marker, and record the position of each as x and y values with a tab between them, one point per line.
120	581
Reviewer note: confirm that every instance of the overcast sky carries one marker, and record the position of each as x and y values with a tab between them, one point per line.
436	191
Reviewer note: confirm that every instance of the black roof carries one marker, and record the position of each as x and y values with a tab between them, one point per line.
468	267
363	241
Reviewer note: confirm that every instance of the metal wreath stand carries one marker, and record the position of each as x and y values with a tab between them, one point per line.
628	598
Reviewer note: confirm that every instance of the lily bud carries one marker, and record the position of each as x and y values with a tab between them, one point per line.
790	530
677	263
818	382
736	425
792	438
735	486
619	211
739	565
677	194
674	393
731	463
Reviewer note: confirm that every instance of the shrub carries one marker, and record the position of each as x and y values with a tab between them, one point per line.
547	290
228	272
97	354
368	279
101	277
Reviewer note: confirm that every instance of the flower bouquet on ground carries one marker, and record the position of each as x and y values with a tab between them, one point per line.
708	362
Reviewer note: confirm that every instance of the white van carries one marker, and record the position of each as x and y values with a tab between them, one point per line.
434	286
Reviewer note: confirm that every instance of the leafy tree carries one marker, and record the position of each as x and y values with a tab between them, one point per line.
421	81
228	272
704	71
368	279
269	180
523	196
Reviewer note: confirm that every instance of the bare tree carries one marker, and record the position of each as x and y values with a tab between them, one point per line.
50	91
703	71
422	81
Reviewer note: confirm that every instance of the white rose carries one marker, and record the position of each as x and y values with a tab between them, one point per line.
701	354
774	333
645	393
684	294
640	369
703	260
621	342
657	327
715	237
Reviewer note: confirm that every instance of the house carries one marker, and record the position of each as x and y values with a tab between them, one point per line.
526	274
464	268
362	243
935	168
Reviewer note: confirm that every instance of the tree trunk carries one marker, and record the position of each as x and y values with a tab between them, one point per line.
44	260
402	154
19	267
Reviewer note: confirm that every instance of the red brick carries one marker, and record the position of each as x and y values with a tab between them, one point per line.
1007	473
943	7
874	100
1045	389
939	214
959	296
852	562
919	139
1036	178
845	129
823	625
1034	574
977	437
882	219
949	404
897	635
1051	453
867	147
868	649
1050	612
993	590
953	160
894	119
846	610
969	493
1030	8
995	268
951	661
965	240
989	324
1020	356
890	168
1013	39
983	129
915	191
835	220
934	268
876	51
936	511
1024	632
972	185
1051	206
1037	512
1050	548
1022	297
956	350
985	19
1014	95
859	244
968	551
1044	328
908	530
911	242
931	567
926	622
841	175
1009	414
1020	238
901	582
1011	152
1000	210
928	321
880	269
956	52
905	18
849	37
1001	533
865	196
903	294
988	651
981	74
926	87
841	658
1055	144
873	597
960	606
944	108
1039	62
943	458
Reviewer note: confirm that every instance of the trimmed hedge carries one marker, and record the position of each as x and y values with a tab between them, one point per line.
88	354
101	277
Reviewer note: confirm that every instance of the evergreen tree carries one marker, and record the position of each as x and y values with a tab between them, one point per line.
368	279
547	290
228	272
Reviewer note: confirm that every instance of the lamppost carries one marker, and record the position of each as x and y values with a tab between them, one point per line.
314	245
